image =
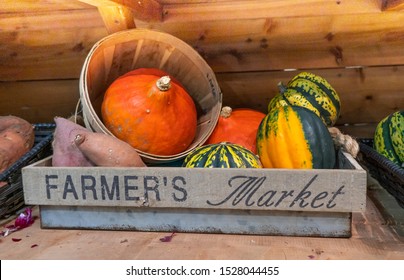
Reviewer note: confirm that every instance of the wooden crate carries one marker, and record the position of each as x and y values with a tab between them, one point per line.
251	45
243	201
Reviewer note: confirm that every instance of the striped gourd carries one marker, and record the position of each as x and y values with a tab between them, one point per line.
389	137
312	92
294	137
222	155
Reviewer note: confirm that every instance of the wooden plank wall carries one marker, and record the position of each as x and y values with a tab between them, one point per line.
43	45
357	45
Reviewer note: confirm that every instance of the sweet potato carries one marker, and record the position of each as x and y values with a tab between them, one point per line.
74	145
16	138
65	151
106	150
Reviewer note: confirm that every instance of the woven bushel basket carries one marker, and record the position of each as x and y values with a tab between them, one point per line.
388	174
11	194
128	50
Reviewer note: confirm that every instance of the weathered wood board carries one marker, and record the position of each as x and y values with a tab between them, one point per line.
388	206
356	45
372	239
328	190
325	197
285	223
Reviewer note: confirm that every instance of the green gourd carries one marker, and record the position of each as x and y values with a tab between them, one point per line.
310	91
222	155
389	137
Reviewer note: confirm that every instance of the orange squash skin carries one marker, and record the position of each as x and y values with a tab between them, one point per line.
239	127
150	71
153	121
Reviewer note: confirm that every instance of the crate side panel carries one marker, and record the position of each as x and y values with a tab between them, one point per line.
197	220
255	189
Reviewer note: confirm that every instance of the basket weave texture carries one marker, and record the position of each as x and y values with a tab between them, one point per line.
124	51
388	174
11	195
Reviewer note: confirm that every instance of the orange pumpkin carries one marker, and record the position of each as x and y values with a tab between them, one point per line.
238	126
154	114
151	71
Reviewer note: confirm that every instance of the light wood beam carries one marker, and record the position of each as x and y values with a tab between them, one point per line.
117	18
146	10
392	5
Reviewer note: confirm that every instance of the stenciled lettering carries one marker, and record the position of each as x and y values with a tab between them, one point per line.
318	197
69	188
50	186
128	187
243	191
109	188
212	87
284	195
255	192
88	183
151	184
244	188
331	203
180	189
304	194
110	192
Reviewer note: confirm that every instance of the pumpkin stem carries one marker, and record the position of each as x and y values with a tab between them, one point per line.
226	112
164	83
282	88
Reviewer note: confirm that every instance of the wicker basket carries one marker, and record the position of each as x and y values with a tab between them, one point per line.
11	195
388	174
123	51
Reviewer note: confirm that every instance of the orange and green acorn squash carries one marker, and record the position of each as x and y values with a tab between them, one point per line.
310	91
294	137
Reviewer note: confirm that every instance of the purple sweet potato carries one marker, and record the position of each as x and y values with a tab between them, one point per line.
16	138
65	151
75	145
106	150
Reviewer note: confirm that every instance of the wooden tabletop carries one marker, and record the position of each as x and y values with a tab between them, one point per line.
374	236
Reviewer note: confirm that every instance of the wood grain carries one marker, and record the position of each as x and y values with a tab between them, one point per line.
392	5
31	50
48	41
230	10
29	6
267	43
238	45
336	190
149	10
367	94
372	239
39	101
117	18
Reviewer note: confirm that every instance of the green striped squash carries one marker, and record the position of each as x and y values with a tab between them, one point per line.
312	92
296	138
222	155
389	137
